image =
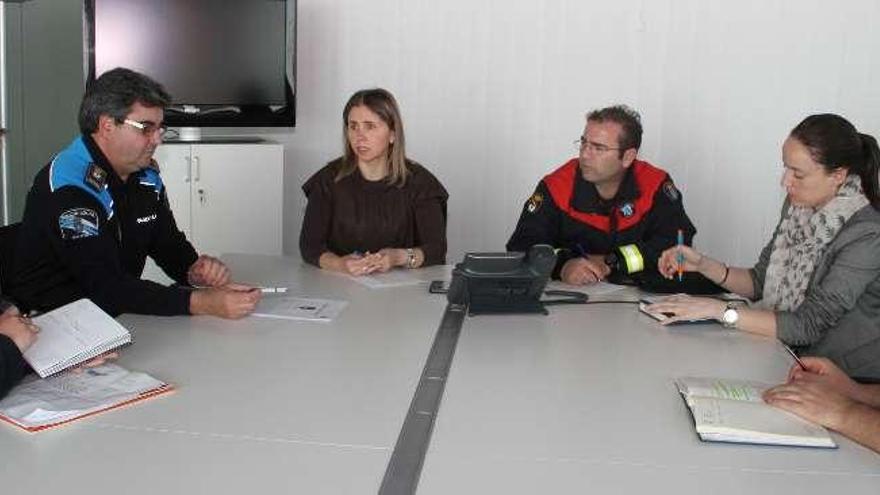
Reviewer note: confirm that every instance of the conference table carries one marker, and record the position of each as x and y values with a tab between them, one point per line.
581	400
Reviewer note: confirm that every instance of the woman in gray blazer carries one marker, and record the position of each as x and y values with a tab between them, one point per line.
817	282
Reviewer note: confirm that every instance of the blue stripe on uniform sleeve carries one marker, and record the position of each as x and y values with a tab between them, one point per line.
69	169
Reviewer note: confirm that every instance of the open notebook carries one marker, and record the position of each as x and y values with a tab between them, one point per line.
733	411
37	404
73	334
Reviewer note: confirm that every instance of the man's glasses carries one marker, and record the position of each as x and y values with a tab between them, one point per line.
147	128
582	143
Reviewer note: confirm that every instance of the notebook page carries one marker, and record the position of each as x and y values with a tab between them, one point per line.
718	388
72	334
753	422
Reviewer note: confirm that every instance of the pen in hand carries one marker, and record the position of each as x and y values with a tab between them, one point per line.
679	257
273	290
795	356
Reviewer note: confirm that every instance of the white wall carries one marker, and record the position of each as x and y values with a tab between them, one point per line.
494	92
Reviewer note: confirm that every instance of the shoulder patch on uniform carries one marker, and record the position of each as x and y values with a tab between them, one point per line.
78	223
96	177
75	167
671	191
535	202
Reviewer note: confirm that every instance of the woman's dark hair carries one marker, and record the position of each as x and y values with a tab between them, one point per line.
835	143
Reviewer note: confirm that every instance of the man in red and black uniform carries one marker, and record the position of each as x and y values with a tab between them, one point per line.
605	207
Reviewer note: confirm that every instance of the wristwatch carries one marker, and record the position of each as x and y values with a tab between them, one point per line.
410	258
730	316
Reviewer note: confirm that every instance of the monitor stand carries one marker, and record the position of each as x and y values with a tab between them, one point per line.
194	135
189	134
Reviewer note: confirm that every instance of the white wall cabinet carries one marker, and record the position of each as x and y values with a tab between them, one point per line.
225	197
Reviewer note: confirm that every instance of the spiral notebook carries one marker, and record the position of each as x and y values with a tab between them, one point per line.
71	335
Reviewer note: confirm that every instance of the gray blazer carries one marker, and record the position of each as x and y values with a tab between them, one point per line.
840	315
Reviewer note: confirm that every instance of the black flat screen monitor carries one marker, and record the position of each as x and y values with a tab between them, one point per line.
225	62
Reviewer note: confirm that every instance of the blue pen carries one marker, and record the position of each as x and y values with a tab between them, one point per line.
680	256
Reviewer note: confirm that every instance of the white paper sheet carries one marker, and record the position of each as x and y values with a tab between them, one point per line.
592	290
36	402
393	278
299	308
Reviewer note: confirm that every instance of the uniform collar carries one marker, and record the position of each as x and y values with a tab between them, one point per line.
99	159
586	197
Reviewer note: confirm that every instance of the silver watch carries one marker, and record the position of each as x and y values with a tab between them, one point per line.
730	316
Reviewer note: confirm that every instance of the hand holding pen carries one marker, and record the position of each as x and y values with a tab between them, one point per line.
677	260
821	392
585	269
830	372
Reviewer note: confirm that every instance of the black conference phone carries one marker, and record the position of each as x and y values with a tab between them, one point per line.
503	282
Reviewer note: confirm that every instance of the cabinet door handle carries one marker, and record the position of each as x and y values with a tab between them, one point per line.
186	175
197	166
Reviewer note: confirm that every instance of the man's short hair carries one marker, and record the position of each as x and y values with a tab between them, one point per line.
114	93
630	122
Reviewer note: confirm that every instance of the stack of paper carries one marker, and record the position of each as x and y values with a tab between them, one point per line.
37	404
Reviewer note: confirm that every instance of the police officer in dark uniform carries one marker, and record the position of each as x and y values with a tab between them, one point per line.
606	212
99	208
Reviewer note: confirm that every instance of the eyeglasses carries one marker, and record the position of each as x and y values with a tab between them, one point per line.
581	143
147	128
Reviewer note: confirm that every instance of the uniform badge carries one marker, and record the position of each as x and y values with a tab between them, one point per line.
535	202
627	210
670	191
78	223
96	177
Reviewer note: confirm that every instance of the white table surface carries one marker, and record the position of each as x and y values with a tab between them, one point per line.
262	405
583	401
579	401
